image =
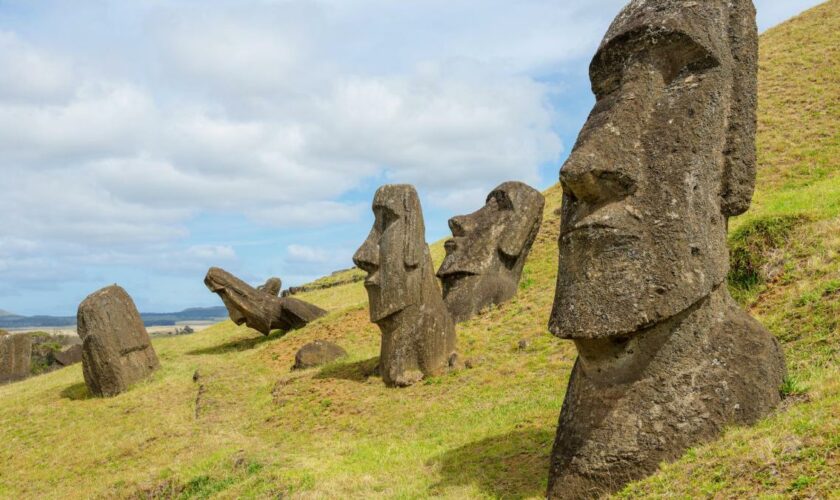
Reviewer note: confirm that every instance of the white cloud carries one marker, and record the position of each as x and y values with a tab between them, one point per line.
29	74
123	122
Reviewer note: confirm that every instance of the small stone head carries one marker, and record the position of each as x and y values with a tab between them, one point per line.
394	252
666	156
488	248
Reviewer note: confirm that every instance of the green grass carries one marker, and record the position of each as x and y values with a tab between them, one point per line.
250	427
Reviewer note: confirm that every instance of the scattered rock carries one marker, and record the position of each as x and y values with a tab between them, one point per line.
455	362
524	344
116	350
317	353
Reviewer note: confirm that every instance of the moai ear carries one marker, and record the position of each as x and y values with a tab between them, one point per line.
272	287
415	232
524	225
515	236
739	157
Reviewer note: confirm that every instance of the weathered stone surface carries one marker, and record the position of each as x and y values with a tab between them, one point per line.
666	358
317	353
272	286
116	350
418	334
69	355
488	248
260	308
15	353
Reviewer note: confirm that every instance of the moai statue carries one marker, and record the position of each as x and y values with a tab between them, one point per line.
666	358
488	248
418	335
15	356
260	308
116	350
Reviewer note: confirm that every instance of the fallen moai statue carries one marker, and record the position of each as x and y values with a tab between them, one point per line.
488	248
15	357
666	358
116	350
69	355
418	334
260	308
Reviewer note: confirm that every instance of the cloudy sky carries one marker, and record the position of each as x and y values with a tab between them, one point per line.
143	141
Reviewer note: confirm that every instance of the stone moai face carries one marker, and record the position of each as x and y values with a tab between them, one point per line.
666	358
393	252
488	248
418	335
666	156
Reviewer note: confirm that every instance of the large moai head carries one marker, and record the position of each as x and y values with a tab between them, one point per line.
488	248
666	156
394	252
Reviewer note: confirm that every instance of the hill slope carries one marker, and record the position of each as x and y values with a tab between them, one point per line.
250	427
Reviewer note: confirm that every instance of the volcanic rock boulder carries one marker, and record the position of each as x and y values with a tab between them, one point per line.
317	353
666	359
488	248
116	350
418	334
69	355
260	308
15	355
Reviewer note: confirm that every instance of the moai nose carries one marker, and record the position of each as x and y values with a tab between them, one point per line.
594	185
366	257
460	225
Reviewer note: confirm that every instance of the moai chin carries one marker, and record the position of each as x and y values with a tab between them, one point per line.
666	358
418	335
488	248
260	308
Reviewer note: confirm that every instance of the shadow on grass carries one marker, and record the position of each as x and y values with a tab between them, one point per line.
358	371
513	465
76	392
239	344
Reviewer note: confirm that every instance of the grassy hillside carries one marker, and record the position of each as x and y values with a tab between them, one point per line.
249	427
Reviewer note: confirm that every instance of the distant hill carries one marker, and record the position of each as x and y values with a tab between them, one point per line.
150	319
3	313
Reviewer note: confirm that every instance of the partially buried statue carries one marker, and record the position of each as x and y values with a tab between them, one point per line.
260	308
116	349
418	335
666	357
488	248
